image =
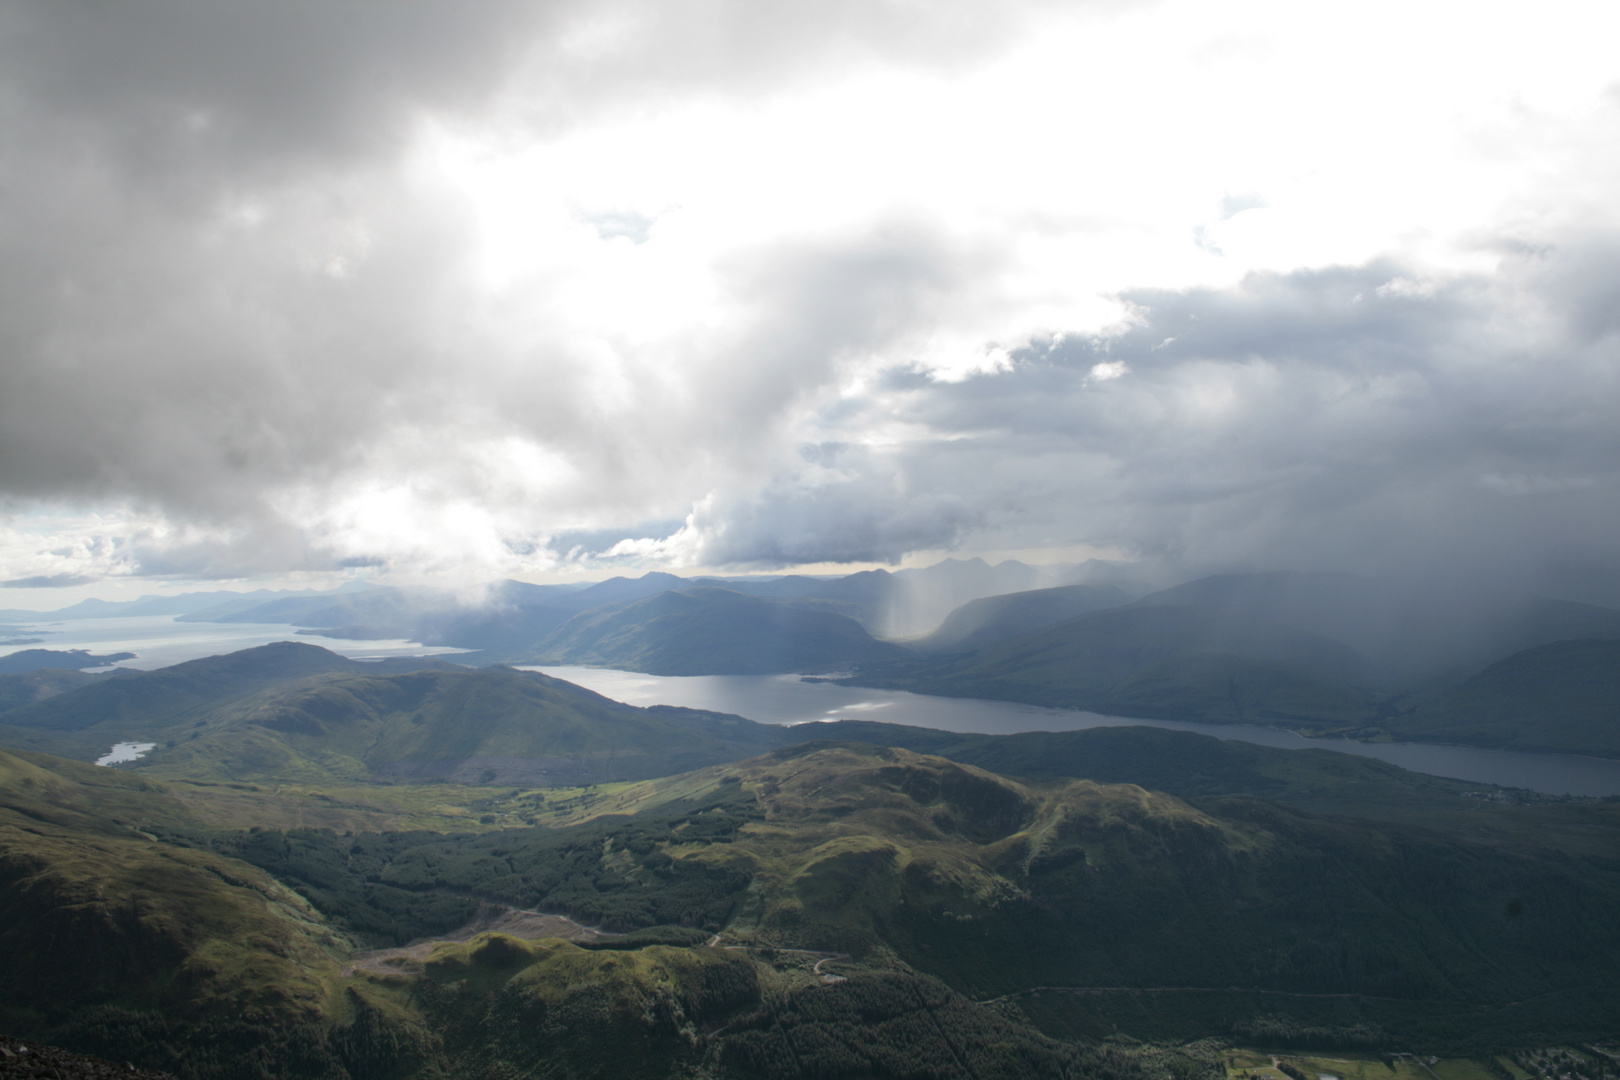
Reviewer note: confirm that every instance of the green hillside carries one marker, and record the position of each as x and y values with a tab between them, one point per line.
299	713
170	953
151	696
98	919
871	844
1559	697
922	883
710	631
286	886
996	886
27	687
1179	663
155	706
994	618
1198	767
490	726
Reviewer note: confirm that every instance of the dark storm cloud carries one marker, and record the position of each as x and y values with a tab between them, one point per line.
865	515
1345	418
208	85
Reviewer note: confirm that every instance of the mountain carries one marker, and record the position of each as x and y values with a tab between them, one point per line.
1371	933
381	607
910	602
25	688
710	631
530	729
512	618
863	596
1197	767
923	597
994	885
68	660
915	886
496	634
292	710
175	953
182	604
102	926
1563	697
506	623
990	619
618	590
401	609
1158	661
518	616
136	705
1323	652
1415	632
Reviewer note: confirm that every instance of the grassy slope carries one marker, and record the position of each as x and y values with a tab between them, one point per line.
137	704
242	719
1559	697
25	688
710	631
1160	661
992	884
510	1007
94	912
531	728
999	886
1194	767
1114	886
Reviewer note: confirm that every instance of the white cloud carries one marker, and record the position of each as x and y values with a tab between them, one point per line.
478	282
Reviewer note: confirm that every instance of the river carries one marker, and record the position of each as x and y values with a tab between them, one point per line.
786	699
159	641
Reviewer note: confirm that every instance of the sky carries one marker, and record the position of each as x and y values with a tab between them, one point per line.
421	292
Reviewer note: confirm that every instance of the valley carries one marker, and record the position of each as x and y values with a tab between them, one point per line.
412	867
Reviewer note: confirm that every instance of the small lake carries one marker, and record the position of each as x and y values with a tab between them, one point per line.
124	751
786	699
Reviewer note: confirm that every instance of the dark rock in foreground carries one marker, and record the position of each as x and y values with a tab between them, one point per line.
30	1059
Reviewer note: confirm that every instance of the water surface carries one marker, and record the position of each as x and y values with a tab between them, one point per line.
124	751
158	641
787	699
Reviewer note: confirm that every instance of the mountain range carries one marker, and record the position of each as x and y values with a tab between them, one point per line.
408	869
1322	653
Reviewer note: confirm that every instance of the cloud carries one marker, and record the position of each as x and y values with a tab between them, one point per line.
212	90
236	302
307	287
49	581
1313	419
